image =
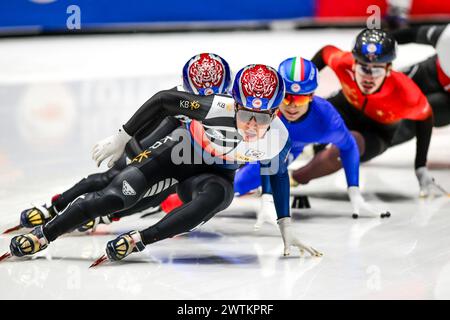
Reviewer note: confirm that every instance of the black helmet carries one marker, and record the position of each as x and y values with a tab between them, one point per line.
374	45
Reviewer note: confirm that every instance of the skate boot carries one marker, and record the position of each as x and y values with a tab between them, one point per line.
124	245
29	243
37	216
91	225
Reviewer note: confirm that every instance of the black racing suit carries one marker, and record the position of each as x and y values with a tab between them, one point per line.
205	187
98	181
425	75
142	139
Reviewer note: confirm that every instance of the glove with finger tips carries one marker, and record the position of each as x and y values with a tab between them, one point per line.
361	206
425	181
266	213
289	239
428	185
112	146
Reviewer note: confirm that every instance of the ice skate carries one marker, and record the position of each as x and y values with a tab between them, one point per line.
29	244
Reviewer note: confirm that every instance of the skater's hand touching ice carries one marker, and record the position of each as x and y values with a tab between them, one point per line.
124	245
363	208
290	239
112	146
428	185
266	213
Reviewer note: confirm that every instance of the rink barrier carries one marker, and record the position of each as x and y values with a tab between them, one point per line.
28	17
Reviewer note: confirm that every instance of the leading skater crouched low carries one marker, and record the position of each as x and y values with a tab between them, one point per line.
201	157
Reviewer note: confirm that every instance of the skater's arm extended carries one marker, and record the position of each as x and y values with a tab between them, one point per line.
326	56
349	154
426	181
275	180
423	138
169	103
419	34
279	182
416	107
350	161
163	104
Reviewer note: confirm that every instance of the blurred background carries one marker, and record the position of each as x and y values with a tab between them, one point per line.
24	17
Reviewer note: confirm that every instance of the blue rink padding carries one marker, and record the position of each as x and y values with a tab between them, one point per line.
51	15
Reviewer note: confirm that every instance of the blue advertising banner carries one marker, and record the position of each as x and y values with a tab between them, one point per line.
57	15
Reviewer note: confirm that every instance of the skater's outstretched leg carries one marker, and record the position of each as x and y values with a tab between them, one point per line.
39	215
145	203
203	196
91	183
147	176
123	192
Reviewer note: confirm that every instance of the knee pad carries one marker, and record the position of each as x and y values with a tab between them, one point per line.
123	192
98	181
189	189
97	204
228	190
129	185
93	182
222	187
216	192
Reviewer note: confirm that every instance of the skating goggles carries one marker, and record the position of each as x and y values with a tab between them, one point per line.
372	71
296	99
261	118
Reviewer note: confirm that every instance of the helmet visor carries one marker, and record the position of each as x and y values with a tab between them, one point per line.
370	71
261	118
297	100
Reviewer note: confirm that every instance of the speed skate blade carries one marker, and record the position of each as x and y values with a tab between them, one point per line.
12	229
99	261
5	256
443	191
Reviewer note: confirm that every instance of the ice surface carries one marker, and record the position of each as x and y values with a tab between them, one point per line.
59	95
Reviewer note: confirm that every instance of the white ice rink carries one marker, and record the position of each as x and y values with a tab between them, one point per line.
60	95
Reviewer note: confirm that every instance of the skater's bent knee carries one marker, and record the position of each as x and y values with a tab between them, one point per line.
97	204
360	142
221	190
217	191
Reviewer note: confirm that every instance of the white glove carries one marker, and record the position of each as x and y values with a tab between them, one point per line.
361	206
290	239
427	183
111	146
266	213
